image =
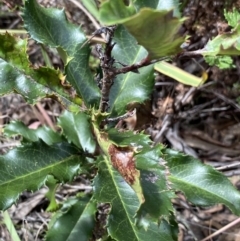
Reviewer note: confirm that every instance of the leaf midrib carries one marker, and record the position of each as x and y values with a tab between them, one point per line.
25	176
172	178
111	171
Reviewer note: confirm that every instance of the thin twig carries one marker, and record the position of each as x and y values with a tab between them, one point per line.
206	85
191	53
165	83
233	223
122	117
84	187
93	20
227	166
45	116
224	98
11	144
96	39
144	62
39	230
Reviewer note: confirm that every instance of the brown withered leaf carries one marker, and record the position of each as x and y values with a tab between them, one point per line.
123	160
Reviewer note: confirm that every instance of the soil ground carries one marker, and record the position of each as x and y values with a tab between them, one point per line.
203	122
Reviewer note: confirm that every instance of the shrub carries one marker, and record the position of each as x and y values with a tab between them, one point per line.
136	177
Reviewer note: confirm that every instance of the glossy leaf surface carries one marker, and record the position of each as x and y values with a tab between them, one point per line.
77	129
156	31
159	5
74	221
131	87
44	133
111	188
27	167
156	191
50	26
152	176
125	181
17	75
91	7
201	184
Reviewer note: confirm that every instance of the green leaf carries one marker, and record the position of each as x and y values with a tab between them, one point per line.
122	159
13	80
152	175
110	187
112	12
8	222
74	221
178	74
53	79
156	31
18	76
27	167
80	76
129	138
131	87
170	4
222	62
232	17
159	5
91	7
118	183
52	185
50	26
44	133
77	129
13	50
201	184
138	163
108	238
224	44
156	191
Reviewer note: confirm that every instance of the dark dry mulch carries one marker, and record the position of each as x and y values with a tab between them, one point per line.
203	122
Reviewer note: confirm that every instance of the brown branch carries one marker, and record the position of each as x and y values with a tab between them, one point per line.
134	67
191	53
122	117
106	63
